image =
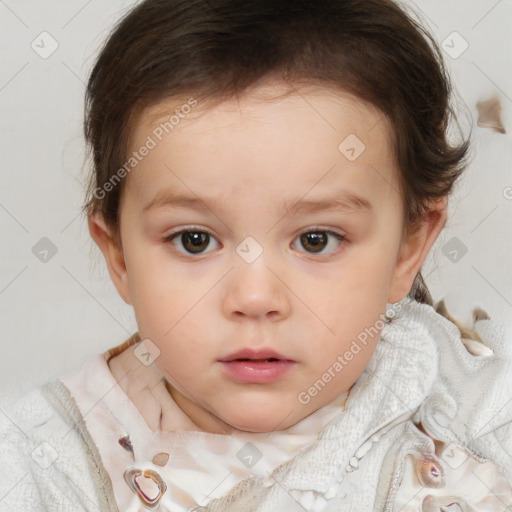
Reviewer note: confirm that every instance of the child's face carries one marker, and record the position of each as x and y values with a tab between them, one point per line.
309	298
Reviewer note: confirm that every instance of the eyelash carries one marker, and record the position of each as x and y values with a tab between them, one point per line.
193	229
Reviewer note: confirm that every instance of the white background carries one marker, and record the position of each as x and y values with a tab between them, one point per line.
56	314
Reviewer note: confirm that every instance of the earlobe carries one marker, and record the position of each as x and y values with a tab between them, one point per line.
415	249
113	254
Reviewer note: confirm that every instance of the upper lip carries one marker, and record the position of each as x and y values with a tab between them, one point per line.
250	353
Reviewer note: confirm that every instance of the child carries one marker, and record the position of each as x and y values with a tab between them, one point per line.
268	178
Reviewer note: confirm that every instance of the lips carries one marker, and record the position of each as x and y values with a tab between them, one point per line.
249	354
256	366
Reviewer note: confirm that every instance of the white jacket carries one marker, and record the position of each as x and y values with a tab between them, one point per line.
427	427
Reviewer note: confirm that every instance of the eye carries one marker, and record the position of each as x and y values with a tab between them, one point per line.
315	241
192	241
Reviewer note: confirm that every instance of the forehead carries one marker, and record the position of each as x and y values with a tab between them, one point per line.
270	141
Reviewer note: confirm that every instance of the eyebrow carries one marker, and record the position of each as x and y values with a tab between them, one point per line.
344	201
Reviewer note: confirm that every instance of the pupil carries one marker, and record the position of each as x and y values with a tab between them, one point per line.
195	241
314	240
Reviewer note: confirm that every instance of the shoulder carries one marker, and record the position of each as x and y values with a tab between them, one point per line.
470	404
42	450
27	419
24	425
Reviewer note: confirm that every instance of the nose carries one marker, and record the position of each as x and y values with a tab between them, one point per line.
256	291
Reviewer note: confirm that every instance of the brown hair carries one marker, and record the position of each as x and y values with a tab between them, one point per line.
217	50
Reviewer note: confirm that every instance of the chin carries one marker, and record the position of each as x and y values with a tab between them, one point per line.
258	423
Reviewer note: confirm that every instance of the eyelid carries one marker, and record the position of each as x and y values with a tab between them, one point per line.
178	231
342	239
169	238
323	229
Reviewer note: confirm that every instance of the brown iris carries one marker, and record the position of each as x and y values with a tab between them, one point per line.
315	240
195	241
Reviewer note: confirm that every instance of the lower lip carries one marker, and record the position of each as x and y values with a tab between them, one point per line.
257	371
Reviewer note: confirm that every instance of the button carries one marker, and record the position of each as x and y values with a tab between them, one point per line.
160	459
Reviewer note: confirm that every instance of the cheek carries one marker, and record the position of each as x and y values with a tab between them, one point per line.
169	311
349	317
369	273
161	293
353	294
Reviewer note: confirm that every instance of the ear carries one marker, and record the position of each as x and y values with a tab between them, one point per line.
414	250
113	253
